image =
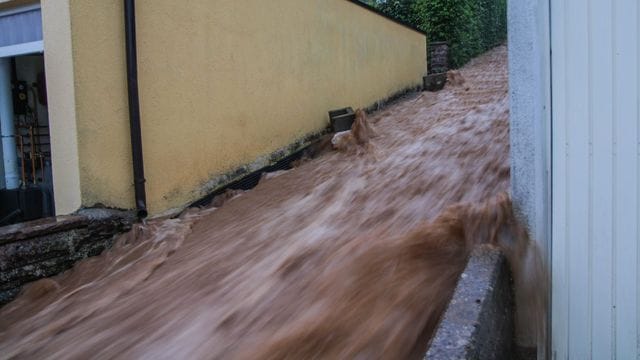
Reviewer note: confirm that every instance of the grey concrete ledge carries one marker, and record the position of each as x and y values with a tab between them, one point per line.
38	249
51	225
478	323
31	229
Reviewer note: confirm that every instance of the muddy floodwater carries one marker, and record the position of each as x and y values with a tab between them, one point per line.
347	256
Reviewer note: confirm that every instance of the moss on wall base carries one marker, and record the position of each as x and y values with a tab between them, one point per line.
278	159
220	183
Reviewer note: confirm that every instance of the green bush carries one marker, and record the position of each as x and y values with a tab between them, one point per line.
469	26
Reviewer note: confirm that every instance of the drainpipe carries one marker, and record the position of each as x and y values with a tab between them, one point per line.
7	128
134	107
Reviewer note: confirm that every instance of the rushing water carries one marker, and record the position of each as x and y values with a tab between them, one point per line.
350	255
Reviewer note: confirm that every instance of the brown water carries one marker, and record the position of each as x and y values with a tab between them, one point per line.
350	255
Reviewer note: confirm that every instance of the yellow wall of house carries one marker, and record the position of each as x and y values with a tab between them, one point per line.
221	84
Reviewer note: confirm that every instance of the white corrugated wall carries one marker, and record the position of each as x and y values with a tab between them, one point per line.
595	178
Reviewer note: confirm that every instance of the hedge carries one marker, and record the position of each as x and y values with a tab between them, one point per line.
469	26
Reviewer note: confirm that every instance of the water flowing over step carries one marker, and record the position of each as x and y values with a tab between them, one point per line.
344	256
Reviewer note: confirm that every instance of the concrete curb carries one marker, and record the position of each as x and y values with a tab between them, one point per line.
43	248
478	323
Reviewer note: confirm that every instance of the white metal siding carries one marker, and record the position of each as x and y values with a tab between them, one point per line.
595	154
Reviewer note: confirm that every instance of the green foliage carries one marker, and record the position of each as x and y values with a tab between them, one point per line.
399	9
373	3
469	26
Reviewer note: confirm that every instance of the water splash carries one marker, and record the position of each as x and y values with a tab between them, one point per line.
346	256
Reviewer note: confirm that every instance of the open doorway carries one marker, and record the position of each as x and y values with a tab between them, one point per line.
26	186
33	197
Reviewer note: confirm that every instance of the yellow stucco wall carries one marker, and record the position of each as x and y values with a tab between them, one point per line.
221	84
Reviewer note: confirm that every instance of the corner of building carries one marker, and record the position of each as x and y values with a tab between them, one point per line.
529	109
56	22
530	117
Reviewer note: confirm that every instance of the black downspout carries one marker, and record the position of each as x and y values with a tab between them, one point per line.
134	107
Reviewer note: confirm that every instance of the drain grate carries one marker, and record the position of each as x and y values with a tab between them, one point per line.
251	180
